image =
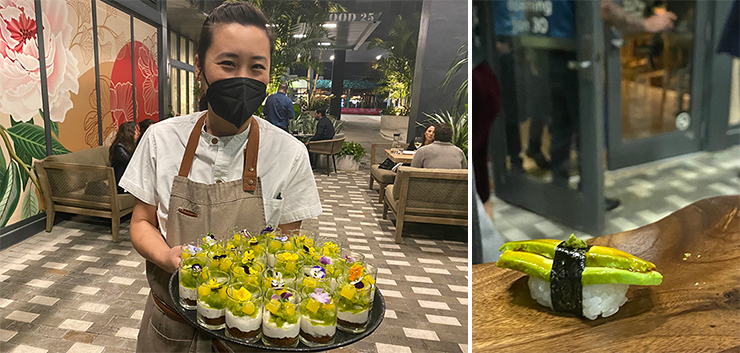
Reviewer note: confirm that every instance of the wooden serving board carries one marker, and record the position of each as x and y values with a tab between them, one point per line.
695	309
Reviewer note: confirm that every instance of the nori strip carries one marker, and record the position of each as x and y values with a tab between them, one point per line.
566	290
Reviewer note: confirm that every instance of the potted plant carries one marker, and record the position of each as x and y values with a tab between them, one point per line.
349	156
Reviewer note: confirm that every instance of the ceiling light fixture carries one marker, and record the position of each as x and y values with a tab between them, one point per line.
329	25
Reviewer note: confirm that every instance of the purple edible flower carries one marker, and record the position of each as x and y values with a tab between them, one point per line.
274	296
192	249
318	272
349	259
325	260
306	249
283	239
359	285
246	269
267	230
285	295
320	296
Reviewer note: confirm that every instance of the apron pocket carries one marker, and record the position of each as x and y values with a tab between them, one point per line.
173	336
273	210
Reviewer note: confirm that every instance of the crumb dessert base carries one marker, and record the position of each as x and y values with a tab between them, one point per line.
249	337
313	341
280	342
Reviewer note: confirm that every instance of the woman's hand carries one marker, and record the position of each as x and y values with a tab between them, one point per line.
173	257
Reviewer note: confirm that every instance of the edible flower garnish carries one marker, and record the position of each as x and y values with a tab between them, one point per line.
277	281
237	237
267	230
253	241
192	249
248	257
196	268
218	257
308	249
318	272
287	257
320	296
283	239
209	239
355	272
325	260
330	248
349	259
359	285
213	284
247	270
285	295
241	294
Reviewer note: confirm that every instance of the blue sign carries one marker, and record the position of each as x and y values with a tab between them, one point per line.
549	18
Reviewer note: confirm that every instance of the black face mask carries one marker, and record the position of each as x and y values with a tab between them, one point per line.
235	99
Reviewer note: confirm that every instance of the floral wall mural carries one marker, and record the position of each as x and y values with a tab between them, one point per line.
69	47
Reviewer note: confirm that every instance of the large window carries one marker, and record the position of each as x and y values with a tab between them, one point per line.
182	76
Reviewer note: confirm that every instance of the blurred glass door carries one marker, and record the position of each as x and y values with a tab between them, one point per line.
654	85
547	141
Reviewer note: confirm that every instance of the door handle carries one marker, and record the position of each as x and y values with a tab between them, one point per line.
576	65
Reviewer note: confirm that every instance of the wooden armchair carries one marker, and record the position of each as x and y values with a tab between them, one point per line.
327	148
83	183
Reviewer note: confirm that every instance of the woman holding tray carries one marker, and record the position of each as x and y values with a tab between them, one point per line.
214	170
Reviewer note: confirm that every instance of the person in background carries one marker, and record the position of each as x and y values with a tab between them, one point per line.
279	108
324	127
143	125
172	111
441	153
428	138
121	149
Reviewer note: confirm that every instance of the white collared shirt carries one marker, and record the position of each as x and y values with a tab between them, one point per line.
288	186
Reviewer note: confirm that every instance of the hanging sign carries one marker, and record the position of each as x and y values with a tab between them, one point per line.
547	18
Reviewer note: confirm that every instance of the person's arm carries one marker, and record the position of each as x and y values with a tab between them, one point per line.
616	16
121	155
320	131
147	239
418	160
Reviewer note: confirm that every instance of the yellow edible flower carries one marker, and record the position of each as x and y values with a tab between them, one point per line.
225	264
237	237
287	257
248	257
222	292
242	294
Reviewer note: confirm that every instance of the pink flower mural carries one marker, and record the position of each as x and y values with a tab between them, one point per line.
20	72
147	91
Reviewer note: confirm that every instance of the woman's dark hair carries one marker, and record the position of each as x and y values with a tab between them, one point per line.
442	133
242	13
143	125
126	136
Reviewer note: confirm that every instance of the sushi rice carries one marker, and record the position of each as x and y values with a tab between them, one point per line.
598	299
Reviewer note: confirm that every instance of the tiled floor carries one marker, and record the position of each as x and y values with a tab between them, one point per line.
648	193
73	290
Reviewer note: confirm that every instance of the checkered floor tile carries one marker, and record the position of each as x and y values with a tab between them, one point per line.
73	290
647	193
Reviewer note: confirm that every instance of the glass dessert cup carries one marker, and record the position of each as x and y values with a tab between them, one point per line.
315	276
281	318
257	246
318	317
349	258
304	241
221	259
191	249
189	271
354	300
211	312
247	273
277	241
274	278
328	246
244	304
209	242
289	261
332	266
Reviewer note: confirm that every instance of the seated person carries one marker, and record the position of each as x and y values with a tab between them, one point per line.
121	150
441	153
428	138
143	125
324	127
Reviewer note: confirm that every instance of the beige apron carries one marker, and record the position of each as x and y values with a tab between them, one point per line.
195	209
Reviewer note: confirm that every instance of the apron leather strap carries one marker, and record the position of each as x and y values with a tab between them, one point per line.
187	158
250	156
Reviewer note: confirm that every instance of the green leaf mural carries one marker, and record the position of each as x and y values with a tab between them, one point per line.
30	205
54	124
10	192
2	166
30	139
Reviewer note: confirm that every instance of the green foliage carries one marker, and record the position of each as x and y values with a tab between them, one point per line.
458	63
458	122
30	205
304	18
398	67
399	110
10	192
353	149
305	123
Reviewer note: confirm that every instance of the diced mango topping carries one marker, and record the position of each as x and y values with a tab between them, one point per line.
204	290
274	245
222	292
185	255
329	306
310	282
313	305
225	264
288	246
242	294
290	308
248	308
348	291
273	306
369	279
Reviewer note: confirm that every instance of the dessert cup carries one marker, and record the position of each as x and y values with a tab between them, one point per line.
244	306
277	241
353	304
189	271
288	261
318	317
281	318
212	299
